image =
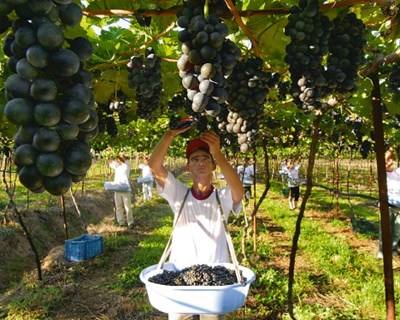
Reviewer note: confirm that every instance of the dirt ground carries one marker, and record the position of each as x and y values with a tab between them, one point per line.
87	287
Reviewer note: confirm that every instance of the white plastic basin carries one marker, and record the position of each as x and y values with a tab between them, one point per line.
196	299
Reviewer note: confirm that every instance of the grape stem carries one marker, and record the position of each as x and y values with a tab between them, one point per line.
206	9
242	26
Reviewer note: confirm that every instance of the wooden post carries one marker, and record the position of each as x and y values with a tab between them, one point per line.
64	217
383	198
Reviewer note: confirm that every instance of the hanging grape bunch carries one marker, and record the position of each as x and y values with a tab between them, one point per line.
394	79
362	143
180	108
346	43
248	87
118	105
145	78
219	8
49	94
308	30
207	58
106	119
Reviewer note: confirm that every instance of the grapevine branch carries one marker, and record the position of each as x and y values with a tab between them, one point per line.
242	26
112	64
10	190
158	36
379	62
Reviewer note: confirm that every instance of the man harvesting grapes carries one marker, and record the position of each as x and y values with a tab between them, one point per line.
198	236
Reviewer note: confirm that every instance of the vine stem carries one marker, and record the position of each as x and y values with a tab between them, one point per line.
64	214
242	26
206	8
297	231
10	190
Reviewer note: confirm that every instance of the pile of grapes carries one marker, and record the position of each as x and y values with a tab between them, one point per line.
208	57
145	78
49	94
346	43
308	30
248	87
197	275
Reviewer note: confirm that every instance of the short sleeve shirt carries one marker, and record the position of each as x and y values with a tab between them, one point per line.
199	235
393	182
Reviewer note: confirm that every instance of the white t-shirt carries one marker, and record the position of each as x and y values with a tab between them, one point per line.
146	171
248	174
122	171
393	182
199	235
293	175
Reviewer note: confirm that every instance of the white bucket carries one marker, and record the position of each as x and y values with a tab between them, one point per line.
196	299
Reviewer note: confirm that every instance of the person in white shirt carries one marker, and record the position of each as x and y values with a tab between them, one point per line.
292	172
246	174
393	189
146	179
123	200
198	236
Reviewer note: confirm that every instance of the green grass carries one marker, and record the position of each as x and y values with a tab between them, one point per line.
150	248
34	303
335	281
355	278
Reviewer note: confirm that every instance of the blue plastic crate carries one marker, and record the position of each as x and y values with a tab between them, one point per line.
83	248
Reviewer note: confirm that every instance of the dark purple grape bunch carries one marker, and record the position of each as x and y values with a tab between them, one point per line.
49	93
346	43
145	78
308	30
207	58
248	87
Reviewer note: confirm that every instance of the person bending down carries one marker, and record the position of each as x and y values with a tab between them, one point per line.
198	236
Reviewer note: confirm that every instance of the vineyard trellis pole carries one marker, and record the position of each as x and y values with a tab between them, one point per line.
383	197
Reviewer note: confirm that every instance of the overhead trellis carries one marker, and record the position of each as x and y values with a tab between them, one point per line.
242	13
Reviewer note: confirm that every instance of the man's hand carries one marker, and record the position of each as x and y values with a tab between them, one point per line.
212	139
177	132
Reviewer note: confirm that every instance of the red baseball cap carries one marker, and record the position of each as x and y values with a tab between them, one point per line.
196	144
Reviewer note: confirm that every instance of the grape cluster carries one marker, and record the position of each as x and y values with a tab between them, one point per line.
248	87
197	275
143	21
181	107
308	30
107	121
346	42
49	94
219	8
362	144
208	57
118	105
394	79
145	78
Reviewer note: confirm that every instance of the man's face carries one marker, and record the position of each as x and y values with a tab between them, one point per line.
200	162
